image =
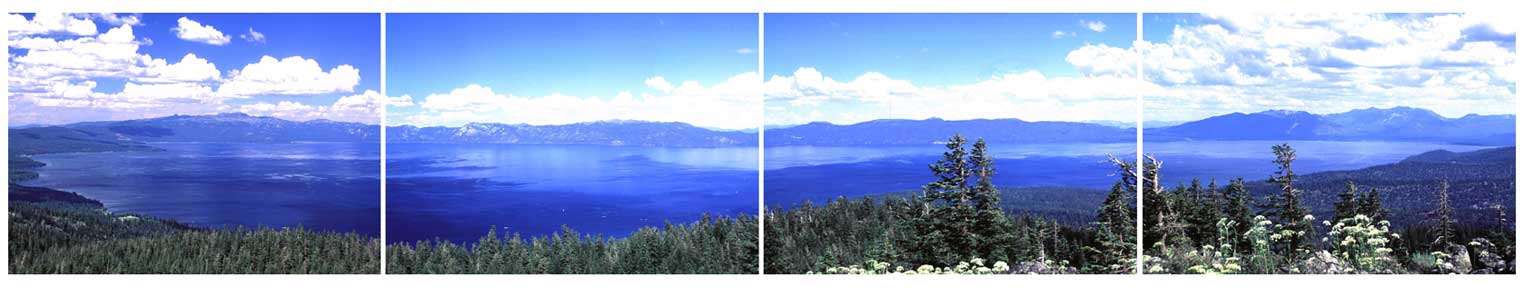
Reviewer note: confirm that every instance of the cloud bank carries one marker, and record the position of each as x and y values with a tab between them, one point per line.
63	61
1324	63
730	104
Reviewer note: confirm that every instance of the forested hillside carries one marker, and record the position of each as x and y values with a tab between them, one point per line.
713	245
959	223
1437	212
58	237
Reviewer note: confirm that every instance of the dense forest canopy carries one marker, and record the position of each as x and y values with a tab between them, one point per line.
956	224
1340	221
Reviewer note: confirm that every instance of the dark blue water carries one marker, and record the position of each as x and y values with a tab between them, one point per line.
1225	160
321	186
458	191
817	174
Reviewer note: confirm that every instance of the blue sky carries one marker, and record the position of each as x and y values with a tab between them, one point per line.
54	52
540	69
1206	64
847	68
936	49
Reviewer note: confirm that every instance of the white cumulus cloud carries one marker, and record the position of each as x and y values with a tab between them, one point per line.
362	108
190	30
289	76
731	104
59	69
49	23
1454	64
1096	26
808	96
253	36
400	101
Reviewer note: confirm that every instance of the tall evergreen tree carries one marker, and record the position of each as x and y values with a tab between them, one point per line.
1348	205
1444	228
1286	205
1370	206
1160	221
991	228
1201	203
1116	230
1117	212
1237	210
960	221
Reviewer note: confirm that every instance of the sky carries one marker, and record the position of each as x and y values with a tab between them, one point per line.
67	68
545	69
1206	65
850	68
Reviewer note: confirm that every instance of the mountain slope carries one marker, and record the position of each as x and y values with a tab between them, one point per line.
1478	180
232	127
55	139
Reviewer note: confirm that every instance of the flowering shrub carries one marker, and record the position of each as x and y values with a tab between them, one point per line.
1362	245
975	266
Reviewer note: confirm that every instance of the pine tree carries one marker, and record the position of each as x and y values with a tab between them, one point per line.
1370	205
1116	230
1201	203
991	229
1117	212
1445	228
1286	205
1160	221
960	221
1237	210
1348	205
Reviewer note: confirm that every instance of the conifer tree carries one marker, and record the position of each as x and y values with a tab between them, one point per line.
1348	205
1370	205
1159	219
1201	203
1444	226
960	221
1116	230
1237	209
1117	212
991	228
1286	205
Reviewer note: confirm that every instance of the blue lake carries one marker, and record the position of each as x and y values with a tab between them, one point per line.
814	173
820	173
457	191
320	186
1224	160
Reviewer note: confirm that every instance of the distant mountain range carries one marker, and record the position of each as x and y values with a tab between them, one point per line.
1394	124
228	127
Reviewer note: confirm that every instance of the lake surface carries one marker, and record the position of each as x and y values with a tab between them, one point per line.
1224	160
319	186
819	173
458	191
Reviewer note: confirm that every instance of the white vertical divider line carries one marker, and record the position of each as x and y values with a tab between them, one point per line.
1138	126
384	103
761	135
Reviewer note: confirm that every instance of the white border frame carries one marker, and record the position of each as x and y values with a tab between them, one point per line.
761	7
